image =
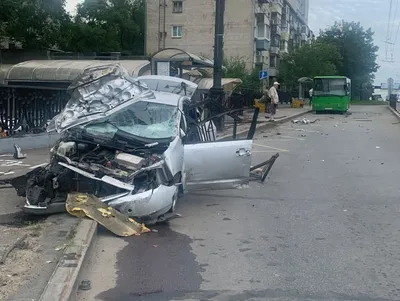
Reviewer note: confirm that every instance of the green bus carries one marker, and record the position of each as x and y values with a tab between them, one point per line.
331	93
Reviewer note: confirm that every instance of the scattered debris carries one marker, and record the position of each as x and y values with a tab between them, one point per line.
304	121
81	205
85	285
18	152
60	248
12	247
377	147
49	261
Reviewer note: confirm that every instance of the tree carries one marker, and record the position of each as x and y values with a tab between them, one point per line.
101	25
356	47
309	60
35	23
235	67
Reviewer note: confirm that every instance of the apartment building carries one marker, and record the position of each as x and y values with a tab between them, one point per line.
259	31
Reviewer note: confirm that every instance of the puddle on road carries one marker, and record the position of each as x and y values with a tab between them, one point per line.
155	264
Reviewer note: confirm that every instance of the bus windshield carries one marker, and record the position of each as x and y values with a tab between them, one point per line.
330	87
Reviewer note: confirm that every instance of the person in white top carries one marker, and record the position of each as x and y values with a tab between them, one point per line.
310	92
273	93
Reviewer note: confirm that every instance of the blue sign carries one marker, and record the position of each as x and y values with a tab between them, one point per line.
263	74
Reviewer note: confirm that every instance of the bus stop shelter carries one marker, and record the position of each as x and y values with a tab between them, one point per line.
173	62
59	74
305	84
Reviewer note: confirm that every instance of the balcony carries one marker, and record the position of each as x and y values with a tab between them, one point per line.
280	2
276	29
273	71
263	31
274	49
285	36
262	17
262	44
259	59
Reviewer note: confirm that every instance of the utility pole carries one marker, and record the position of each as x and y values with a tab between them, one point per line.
217	92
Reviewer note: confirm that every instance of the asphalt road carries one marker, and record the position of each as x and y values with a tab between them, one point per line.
324	226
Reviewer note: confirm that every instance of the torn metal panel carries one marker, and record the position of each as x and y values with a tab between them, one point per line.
147	204
96	93
174	156
261	171
81	205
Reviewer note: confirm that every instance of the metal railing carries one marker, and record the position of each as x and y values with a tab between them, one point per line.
28	110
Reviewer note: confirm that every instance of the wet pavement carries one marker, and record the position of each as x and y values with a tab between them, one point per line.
324	226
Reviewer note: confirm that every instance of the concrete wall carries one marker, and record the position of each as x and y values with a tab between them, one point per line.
30	141
197	20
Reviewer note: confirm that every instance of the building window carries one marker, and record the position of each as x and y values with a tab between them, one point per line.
177	7
177	32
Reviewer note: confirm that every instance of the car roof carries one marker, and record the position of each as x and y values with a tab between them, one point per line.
168	78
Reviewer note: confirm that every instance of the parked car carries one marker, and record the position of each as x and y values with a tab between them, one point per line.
129	146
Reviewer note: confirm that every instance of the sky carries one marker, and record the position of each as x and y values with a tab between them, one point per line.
370	13
71	5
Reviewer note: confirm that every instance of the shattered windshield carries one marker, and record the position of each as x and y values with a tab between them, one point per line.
169	86
144	119
329	87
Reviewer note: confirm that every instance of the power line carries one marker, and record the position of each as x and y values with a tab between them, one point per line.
391	47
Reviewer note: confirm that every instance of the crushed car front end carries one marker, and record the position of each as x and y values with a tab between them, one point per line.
120	143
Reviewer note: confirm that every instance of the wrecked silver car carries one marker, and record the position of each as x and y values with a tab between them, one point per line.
128	146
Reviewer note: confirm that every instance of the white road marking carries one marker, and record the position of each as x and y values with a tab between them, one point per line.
266	146
6	155
293	138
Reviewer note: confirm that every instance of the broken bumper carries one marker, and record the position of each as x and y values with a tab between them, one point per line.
146	206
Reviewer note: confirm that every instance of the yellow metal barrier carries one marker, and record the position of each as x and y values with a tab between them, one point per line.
297	103
260	105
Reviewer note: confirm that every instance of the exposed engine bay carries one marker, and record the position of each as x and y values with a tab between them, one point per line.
104	172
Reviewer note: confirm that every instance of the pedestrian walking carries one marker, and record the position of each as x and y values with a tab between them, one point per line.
310	92
273	94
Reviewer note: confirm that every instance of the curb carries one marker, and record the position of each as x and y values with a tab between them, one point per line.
394	112
62	284
265	125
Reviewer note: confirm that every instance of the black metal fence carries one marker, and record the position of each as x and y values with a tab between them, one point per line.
29	110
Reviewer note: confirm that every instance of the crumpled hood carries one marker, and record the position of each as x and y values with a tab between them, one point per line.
96	93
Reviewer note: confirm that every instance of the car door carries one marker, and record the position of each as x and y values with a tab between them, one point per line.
216	165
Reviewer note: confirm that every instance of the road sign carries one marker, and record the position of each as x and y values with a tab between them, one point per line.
263	74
